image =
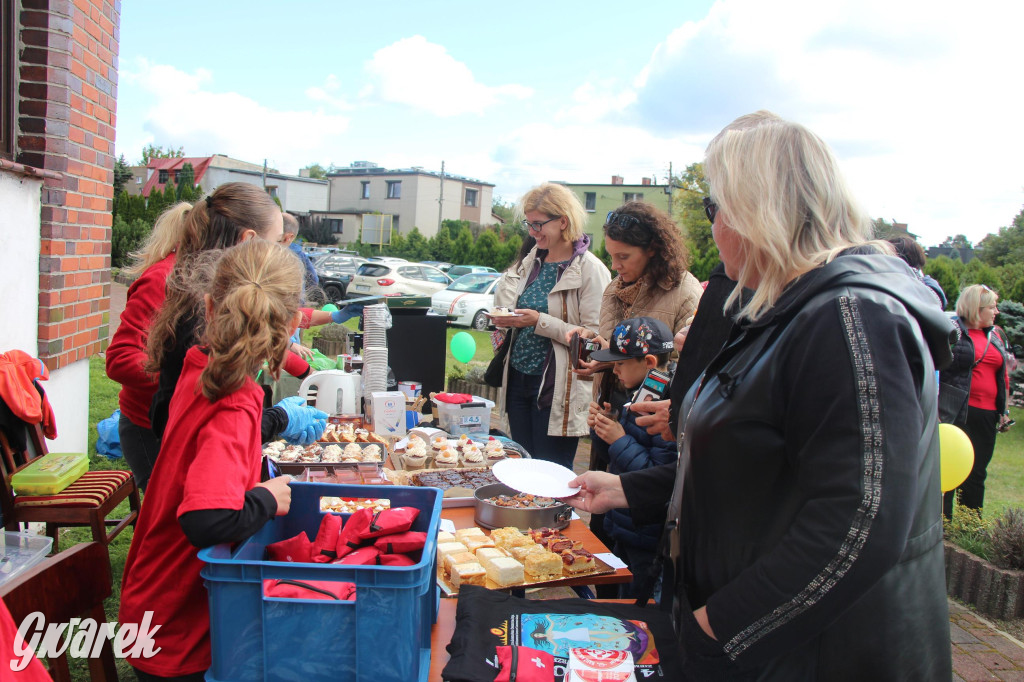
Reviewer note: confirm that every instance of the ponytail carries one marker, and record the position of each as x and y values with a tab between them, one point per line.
256	292
162	240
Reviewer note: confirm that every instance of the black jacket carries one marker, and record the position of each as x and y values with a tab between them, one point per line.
806	516
955	379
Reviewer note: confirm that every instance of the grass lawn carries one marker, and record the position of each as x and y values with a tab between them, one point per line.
1004	486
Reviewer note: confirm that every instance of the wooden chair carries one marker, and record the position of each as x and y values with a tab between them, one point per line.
86	502
72	584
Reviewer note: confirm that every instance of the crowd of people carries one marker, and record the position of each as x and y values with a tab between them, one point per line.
782	499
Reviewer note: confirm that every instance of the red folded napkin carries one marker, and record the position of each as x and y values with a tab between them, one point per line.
309	589
454	398
298	548
325	547
399	543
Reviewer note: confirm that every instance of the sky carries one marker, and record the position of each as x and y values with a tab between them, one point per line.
921	102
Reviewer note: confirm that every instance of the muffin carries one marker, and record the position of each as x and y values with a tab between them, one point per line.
494	451
446	459
472	456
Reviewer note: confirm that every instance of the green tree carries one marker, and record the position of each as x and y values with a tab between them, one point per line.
1012	277
462	248
417	247
120	205
122	174
1007	246
946	272
602	253
316	171
978	272
487	250
125	238
457	227
170	195
881	228
317	231
505	211
158	152
696	228
441	246
155	205
186	183
510	250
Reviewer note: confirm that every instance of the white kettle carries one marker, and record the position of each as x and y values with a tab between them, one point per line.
333	390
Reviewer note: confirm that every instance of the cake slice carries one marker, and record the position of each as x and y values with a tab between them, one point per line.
473	531
520	553
470	573
507	538
444	536
446	548
474	543
486	555
578	561
453	560
505	571
544	565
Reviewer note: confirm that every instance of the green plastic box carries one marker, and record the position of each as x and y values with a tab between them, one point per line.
50	474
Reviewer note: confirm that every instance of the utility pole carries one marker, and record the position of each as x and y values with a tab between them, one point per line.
440	201
669	191
264	175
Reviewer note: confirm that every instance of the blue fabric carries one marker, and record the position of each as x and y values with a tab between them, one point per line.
310	278
530	350
529	423
634	451
108	442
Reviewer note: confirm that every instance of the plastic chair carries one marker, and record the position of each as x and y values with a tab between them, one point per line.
86	502
69	585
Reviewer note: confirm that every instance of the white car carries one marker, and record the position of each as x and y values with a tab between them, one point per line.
396	278
467	299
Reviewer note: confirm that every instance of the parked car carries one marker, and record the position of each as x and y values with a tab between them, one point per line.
466	300
440	265
396	279
335	271
457	271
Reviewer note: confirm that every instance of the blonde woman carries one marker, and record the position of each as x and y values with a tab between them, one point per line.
560	287
807	537
973	389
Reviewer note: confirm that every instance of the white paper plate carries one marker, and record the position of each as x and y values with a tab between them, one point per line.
503	315
536	477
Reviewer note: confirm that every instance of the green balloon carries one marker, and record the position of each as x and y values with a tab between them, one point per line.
330	308
463	346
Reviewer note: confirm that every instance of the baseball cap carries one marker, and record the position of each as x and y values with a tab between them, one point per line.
635	338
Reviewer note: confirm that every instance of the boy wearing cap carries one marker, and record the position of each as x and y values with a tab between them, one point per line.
637	345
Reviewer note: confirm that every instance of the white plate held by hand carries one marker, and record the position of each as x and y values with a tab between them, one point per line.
536	477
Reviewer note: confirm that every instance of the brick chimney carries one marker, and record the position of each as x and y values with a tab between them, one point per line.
646	182
616	179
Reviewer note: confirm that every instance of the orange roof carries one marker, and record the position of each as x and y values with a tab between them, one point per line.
199	166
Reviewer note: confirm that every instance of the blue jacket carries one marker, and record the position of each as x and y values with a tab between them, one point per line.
632	452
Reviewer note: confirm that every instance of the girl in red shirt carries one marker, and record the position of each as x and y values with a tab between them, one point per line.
206	484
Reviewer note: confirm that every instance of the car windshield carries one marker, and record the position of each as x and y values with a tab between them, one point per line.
474	284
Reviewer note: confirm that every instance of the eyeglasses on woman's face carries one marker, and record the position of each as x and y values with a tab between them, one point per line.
536	225
710	209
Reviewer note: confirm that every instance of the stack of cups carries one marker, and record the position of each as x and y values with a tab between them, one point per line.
375	369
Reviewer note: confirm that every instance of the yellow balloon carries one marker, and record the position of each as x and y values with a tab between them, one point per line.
956	456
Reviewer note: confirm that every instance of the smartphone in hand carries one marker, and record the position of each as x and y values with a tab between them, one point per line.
654	387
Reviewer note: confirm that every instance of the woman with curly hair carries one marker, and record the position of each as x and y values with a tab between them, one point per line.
652	280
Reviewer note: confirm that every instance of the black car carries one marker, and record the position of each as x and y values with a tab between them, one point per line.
335	272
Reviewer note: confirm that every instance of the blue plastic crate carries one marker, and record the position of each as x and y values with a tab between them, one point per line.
384	635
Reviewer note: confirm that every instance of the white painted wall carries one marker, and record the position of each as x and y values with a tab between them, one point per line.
19	262
68	387
68	391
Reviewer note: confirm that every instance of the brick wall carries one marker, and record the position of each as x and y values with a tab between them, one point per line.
66	116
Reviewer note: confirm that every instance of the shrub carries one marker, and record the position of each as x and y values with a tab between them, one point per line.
1007	539
457	372
125	238
968	530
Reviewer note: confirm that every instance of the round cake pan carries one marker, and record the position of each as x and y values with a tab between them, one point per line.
489	515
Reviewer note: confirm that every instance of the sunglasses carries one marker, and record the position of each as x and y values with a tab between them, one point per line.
621	219
710	209
536	226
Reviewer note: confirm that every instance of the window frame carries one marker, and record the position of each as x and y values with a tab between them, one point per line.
162	176
476	197
590	201
365	191
632	196
394	189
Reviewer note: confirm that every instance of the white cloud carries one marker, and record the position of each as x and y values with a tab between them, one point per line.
920	103
422	75
327	93
183	111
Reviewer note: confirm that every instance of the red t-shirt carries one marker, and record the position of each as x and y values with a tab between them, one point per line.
127	351
209	458
983	376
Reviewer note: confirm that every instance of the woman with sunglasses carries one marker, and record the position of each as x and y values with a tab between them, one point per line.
560	288
803	525
973	389
652	280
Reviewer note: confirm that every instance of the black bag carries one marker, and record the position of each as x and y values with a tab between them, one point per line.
486	619
496	370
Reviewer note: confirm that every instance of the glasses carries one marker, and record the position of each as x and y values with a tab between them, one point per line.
710	209
621	219
535	226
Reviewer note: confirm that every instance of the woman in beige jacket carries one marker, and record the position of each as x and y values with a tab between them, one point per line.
560	288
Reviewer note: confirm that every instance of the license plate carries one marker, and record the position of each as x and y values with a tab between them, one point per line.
362	287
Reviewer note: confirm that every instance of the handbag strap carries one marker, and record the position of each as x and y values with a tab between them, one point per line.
984	352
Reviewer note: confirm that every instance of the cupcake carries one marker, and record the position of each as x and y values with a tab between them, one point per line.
447	458
494	450
415	458
464	441
416	443
439	442
371	453
472	456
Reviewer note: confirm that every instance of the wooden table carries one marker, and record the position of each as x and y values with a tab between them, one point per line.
462	517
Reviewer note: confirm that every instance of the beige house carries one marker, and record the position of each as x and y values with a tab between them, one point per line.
413	197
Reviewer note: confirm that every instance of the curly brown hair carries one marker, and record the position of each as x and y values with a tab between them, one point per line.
654	230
